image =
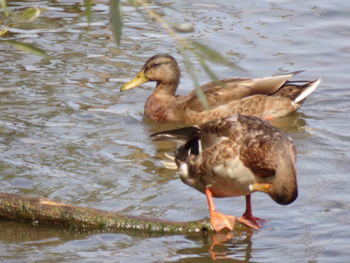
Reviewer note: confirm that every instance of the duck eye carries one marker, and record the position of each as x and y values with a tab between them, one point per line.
155	65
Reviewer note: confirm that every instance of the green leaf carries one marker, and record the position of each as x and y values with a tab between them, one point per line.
198	90
88	4
116	20
30	13
27	47
209	72
212	55
3	3
209	53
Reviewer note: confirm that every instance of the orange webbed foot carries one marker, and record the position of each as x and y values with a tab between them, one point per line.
251	221
220	221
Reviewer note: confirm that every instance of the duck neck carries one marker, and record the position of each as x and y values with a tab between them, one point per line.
159	105
166	88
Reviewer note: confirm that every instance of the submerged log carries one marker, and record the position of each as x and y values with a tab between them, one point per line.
44	211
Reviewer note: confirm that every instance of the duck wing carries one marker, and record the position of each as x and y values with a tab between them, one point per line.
235	89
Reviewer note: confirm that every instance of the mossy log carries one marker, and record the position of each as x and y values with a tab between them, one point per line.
44	211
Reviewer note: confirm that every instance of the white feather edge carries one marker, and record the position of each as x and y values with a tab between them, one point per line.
308	91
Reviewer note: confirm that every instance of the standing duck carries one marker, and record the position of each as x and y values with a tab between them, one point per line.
266	98
234	156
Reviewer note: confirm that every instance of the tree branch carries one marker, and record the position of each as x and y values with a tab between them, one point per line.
44	211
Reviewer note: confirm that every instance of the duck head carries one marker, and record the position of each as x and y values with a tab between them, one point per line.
161	68
283	189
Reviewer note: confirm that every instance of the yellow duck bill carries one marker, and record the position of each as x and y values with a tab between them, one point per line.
135	82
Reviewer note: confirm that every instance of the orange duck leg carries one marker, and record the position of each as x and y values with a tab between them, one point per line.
247	218
218	220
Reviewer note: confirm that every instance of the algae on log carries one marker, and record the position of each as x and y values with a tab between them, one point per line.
44	211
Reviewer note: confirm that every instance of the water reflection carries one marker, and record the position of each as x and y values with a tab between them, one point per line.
38	235
229	245
236	247
292	123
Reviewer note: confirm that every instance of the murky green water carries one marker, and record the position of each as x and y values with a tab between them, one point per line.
104	159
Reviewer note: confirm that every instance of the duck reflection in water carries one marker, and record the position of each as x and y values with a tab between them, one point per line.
224	245
219	239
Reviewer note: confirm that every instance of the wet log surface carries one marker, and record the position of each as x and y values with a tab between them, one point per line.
44	211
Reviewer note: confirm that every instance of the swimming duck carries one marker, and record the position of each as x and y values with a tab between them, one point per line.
235	156
267	98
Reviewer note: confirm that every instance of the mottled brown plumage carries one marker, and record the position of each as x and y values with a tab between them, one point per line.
269	97
235	156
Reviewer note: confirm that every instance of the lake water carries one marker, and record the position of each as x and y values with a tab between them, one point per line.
103	158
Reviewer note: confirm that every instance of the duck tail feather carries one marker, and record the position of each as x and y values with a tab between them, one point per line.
309	88
295	72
